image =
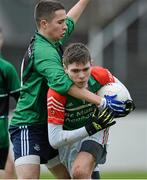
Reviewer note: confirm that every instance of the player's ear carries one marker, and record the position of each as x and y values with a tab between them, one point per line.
43	23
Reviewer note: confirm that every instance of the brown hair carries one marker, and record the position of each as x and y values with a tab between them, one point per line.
76	53
45	9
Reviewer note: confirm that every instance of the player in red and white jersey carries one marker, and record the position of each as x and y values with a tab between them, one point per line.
81	142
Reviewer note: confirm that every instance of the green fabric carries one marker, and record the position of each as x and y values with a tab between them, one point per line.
79	112
48	63
4	136
9	86
9	80
43	69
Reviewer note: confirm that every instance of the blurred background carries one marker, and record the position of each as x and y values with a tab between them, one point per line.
116	33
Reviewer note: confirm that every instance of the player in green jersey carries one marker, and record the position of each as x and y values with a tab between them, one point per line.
41	68
71	121
9	86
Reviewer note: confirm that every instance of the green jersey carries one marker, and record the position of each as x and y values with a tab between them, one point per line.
42	68
9	86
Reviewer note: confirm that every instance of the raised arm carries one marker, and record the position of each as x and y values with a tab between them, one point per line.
76	11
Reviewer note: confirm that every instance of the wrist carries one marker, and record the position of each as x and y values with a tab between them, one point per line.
102	104
90	129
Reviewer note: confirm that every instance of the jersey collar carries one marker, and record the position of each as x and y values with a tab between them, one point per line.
49	41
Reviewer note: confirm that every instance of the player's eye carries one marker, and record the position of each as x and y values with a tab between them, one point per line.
86	69
61	22
75	71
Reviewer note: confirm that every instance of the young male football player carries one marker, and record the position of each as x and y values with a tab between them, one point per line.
41	68
76	127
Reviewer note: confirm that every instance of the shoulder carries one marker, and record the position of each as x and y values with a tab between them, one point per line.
69	20
53	96
102	75
56	107
43	48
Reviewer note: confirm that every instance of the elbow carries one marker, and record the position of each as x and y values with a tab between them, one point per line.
54	136
58	142
57	136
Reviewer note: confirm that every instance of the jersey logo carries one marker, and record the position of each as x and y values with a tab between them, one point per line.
37	147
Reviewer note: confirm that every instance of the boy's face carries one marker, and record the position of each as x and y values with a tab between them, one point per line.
79	73
56	28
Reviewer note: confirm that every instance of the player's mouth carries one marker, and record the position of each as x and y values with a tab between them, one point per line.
63	34
82	84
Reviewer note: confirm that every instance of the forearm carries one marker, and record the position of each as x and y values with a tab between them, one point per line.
77	10
84	94
59	137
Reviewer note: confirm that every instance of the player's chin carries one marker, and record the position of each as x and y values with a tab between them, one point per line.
81	85
57	38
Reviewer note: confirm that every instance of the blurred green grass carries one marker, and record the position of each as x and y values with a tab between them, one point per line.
110	175
124	175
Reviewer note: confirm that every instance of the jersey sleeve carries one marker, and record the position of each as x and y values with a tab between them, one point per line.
56	107
102	75
70	27
48	63
12	81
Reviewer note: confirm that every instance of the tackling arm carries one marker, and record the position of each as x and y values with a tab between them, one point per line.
85	94
100	74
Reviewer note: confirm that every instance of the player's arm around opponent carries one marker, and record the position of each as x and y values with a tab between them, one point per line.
41	68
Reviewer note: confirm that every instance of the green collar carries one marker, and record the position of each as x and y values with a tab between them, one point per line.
49	41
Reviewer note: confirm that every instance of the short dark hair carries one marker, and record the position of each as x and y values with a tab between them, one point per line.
45	9
76	53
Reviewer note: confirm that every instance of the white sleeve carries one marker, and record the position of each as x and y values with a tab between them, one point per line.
59	137
117	81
